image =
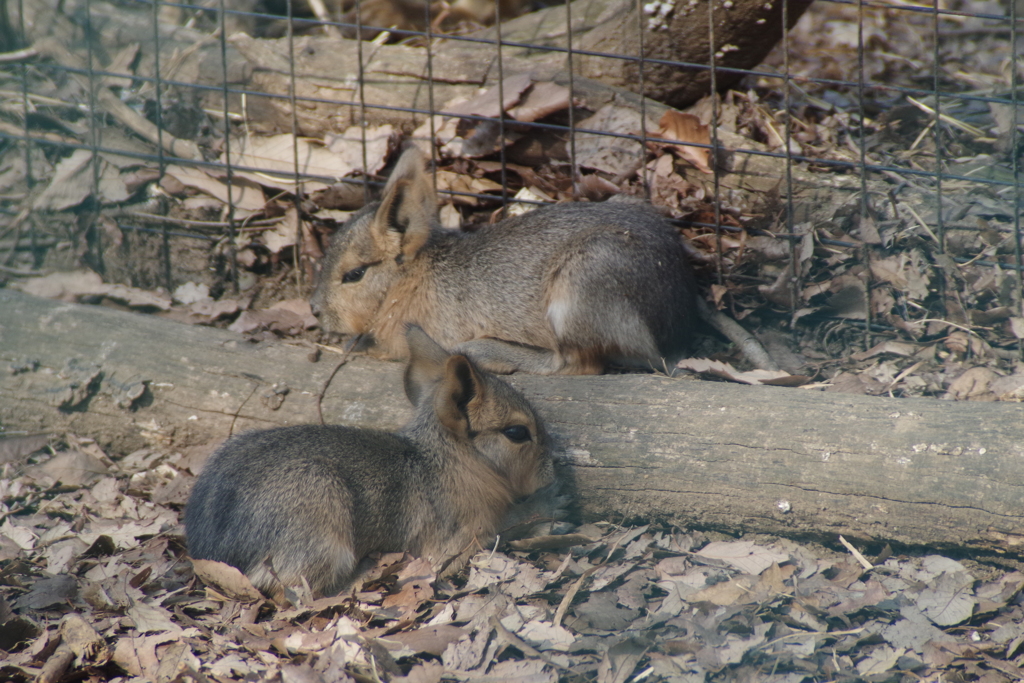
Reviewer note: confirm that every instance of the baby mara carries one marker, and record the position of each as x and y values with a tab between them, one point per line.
312	501
569	289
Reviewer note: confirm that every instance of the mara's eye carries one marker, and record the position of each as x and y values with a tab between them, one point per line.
516	433
354	275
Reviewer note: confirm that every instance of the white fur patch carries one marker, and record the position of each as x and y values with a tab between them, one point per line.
558	313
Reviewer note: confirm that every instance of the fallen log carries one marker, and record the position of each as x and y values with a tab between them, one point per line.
701	454
610	35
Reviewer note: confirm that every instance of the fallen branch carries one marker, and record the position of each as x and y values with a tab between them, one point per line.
185	149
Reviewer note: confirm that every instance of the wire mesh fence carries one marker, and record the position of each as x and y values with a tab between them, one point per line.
853	179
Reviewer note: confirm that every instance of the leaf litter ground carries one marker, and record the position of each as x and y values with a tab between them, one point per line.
95	585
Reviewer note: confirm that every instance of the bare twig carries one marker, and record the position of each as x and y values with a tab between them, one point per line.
18	55
856	554
946	118
571	593
344	359
255	225
22	272
920	222
16	227
320	10
234	418
39	99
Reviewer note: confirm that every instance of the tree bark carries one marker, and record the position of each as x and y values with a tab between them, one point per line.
701	454
744	32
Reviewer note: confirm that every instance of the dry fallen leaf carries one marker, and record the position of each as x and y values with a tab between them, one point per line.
73	285
413	586
214	310
487	103
284	233
66	286
72	468
889	346
137	298
687	128
540	100
430	639
613	155
973	384
726	371
746	556
279	318
853	383
1009	388
138	655
276	159
462	185
190	293
551	542
379	143
227	580
71	183
48	592
245	195
14	449
528	199
150	618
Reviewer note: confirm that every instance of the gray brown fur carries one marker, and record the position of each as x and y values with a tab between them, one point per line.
565	289
311	501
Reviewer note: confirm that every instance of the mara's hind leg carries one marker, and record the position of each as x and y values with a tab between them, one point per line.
596	324
327	568
503	357
326	560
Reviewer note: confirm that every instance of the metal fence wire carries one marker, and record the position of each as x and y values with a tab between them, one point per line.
857	174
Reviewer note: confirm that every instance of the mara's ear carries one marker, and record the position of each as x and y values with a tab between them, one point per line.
408	207
426	363
460	388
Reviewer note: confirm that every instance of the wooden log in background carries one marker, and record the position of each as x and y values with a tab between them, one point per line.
710	455
397	76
